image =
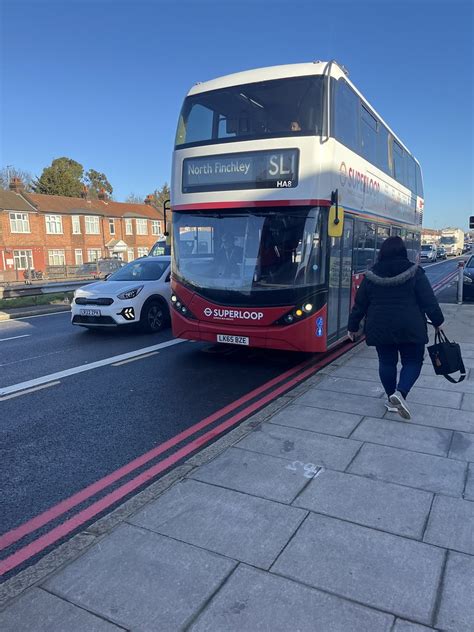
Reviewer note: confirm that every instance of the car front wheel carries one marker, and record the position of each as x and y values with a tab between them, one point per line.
154	317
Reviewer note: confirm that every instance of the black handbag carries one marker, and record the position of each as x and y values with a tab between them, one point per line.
446	357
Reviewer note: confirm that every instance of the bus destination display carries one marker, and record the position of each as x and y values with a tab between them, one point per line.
248	170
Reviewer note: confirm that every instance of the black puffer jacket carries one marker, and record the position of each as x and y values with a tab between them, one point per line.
395	296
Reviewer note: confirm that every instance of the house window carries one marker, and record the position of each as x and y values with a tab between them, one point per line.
128	227
112	226
93	254
23	259
155	227
130	254
142	252
78	256
76	225
92	225
19	223
142	226
54	225
56	258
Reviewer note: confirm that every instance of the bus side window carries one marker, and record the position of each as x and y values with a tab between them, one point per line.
364	247
346	124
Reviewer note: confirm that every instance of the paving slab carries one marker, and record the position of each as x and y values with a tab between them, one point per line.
248	529
469	491
445	399
406	626
451	524
439	382
436	417
251	600
456	612
351	386
316	420
331	400
301	446
361	362
142	580
400	434
423	471
374	568
462	446
355	372
257	474
39	611
468	404
384	506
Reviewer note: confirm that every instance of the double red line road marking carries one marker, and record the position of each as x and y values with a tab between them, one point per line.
268	392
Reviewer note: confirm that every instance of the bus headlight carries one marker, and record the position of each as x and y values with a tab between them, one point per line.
299	313
308	307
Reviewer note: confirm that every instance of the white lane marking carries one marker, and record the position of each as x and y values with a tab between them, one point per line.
21	386
29	390
147	355
439	263
15	337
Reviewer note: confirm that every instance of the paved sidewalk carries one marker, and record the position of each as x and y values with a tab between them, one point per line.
330	516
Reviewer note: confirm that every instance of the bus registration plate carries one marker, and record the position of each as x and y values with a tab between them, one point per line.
233	340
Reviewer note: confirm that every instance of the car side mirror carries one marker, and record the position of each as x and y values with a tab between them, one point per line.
168	278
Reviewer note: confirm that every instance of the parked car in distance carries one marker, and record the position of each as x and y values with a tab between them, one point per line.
100	268
468	278
428	253
441	253
138	294
160	247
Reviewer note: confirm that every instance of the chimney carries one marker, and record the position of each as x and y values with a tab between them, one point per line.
149	199
84	192
102	195
16	184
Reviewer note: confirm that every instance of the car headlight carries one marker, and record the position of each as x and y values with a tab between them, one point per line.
130	293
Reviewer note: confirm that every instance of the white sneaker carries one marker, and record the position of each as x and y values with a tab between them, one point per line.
398	400
390	407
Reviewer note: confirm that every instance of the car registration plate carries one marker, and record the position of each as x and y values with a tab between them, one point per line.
90	312
233	340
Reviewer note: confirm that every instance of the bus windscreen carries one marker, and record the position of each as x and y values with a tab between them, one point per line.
250	252
282	107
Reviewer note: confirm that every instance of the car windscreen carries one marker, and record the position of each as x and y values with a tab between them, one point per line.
140	270
427	247
470	263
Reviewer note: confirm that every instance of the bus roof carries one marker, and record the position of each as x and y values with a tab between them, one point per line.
270	73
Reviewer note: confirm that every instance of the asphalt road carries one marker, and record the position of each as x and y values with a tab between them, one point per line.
84	424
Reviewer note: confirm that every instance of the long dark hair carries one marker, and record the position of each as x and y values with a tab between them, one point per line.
393	248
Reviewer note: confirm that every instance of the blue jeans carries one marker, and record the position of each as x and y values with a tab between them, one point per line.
411	355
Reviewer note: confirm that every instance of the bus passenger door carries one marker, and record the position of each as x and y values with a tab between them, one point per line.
340	282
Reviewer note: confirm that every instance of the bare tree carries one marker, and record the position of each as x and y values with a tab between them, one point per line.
8	172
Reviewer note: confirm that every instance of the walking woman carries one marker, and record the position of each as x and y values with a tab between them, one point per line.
396	297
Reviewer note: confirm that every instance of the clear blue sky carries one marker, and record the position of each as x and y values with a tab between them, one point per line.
102	81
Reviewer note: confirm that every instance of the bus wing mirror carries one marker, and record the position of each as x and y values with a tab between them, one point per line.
336	221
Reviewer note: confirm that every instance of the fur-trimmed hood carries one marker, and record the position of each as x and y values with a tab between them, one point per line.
381	275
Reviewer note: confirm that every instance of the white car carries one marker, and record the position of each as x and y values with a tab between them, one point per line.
137	293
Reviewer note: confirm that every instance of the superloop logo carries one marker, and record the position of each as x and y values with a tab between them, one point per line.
357	180
232	314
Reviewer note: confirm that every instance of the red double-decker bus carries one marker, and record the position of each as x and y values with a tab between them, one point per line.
285	183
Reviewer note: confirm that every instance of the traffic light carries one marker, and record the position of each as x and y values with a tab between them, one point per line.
471	221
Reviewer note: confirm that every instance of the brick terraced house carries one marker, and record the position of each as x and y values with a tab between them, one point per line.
38	231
